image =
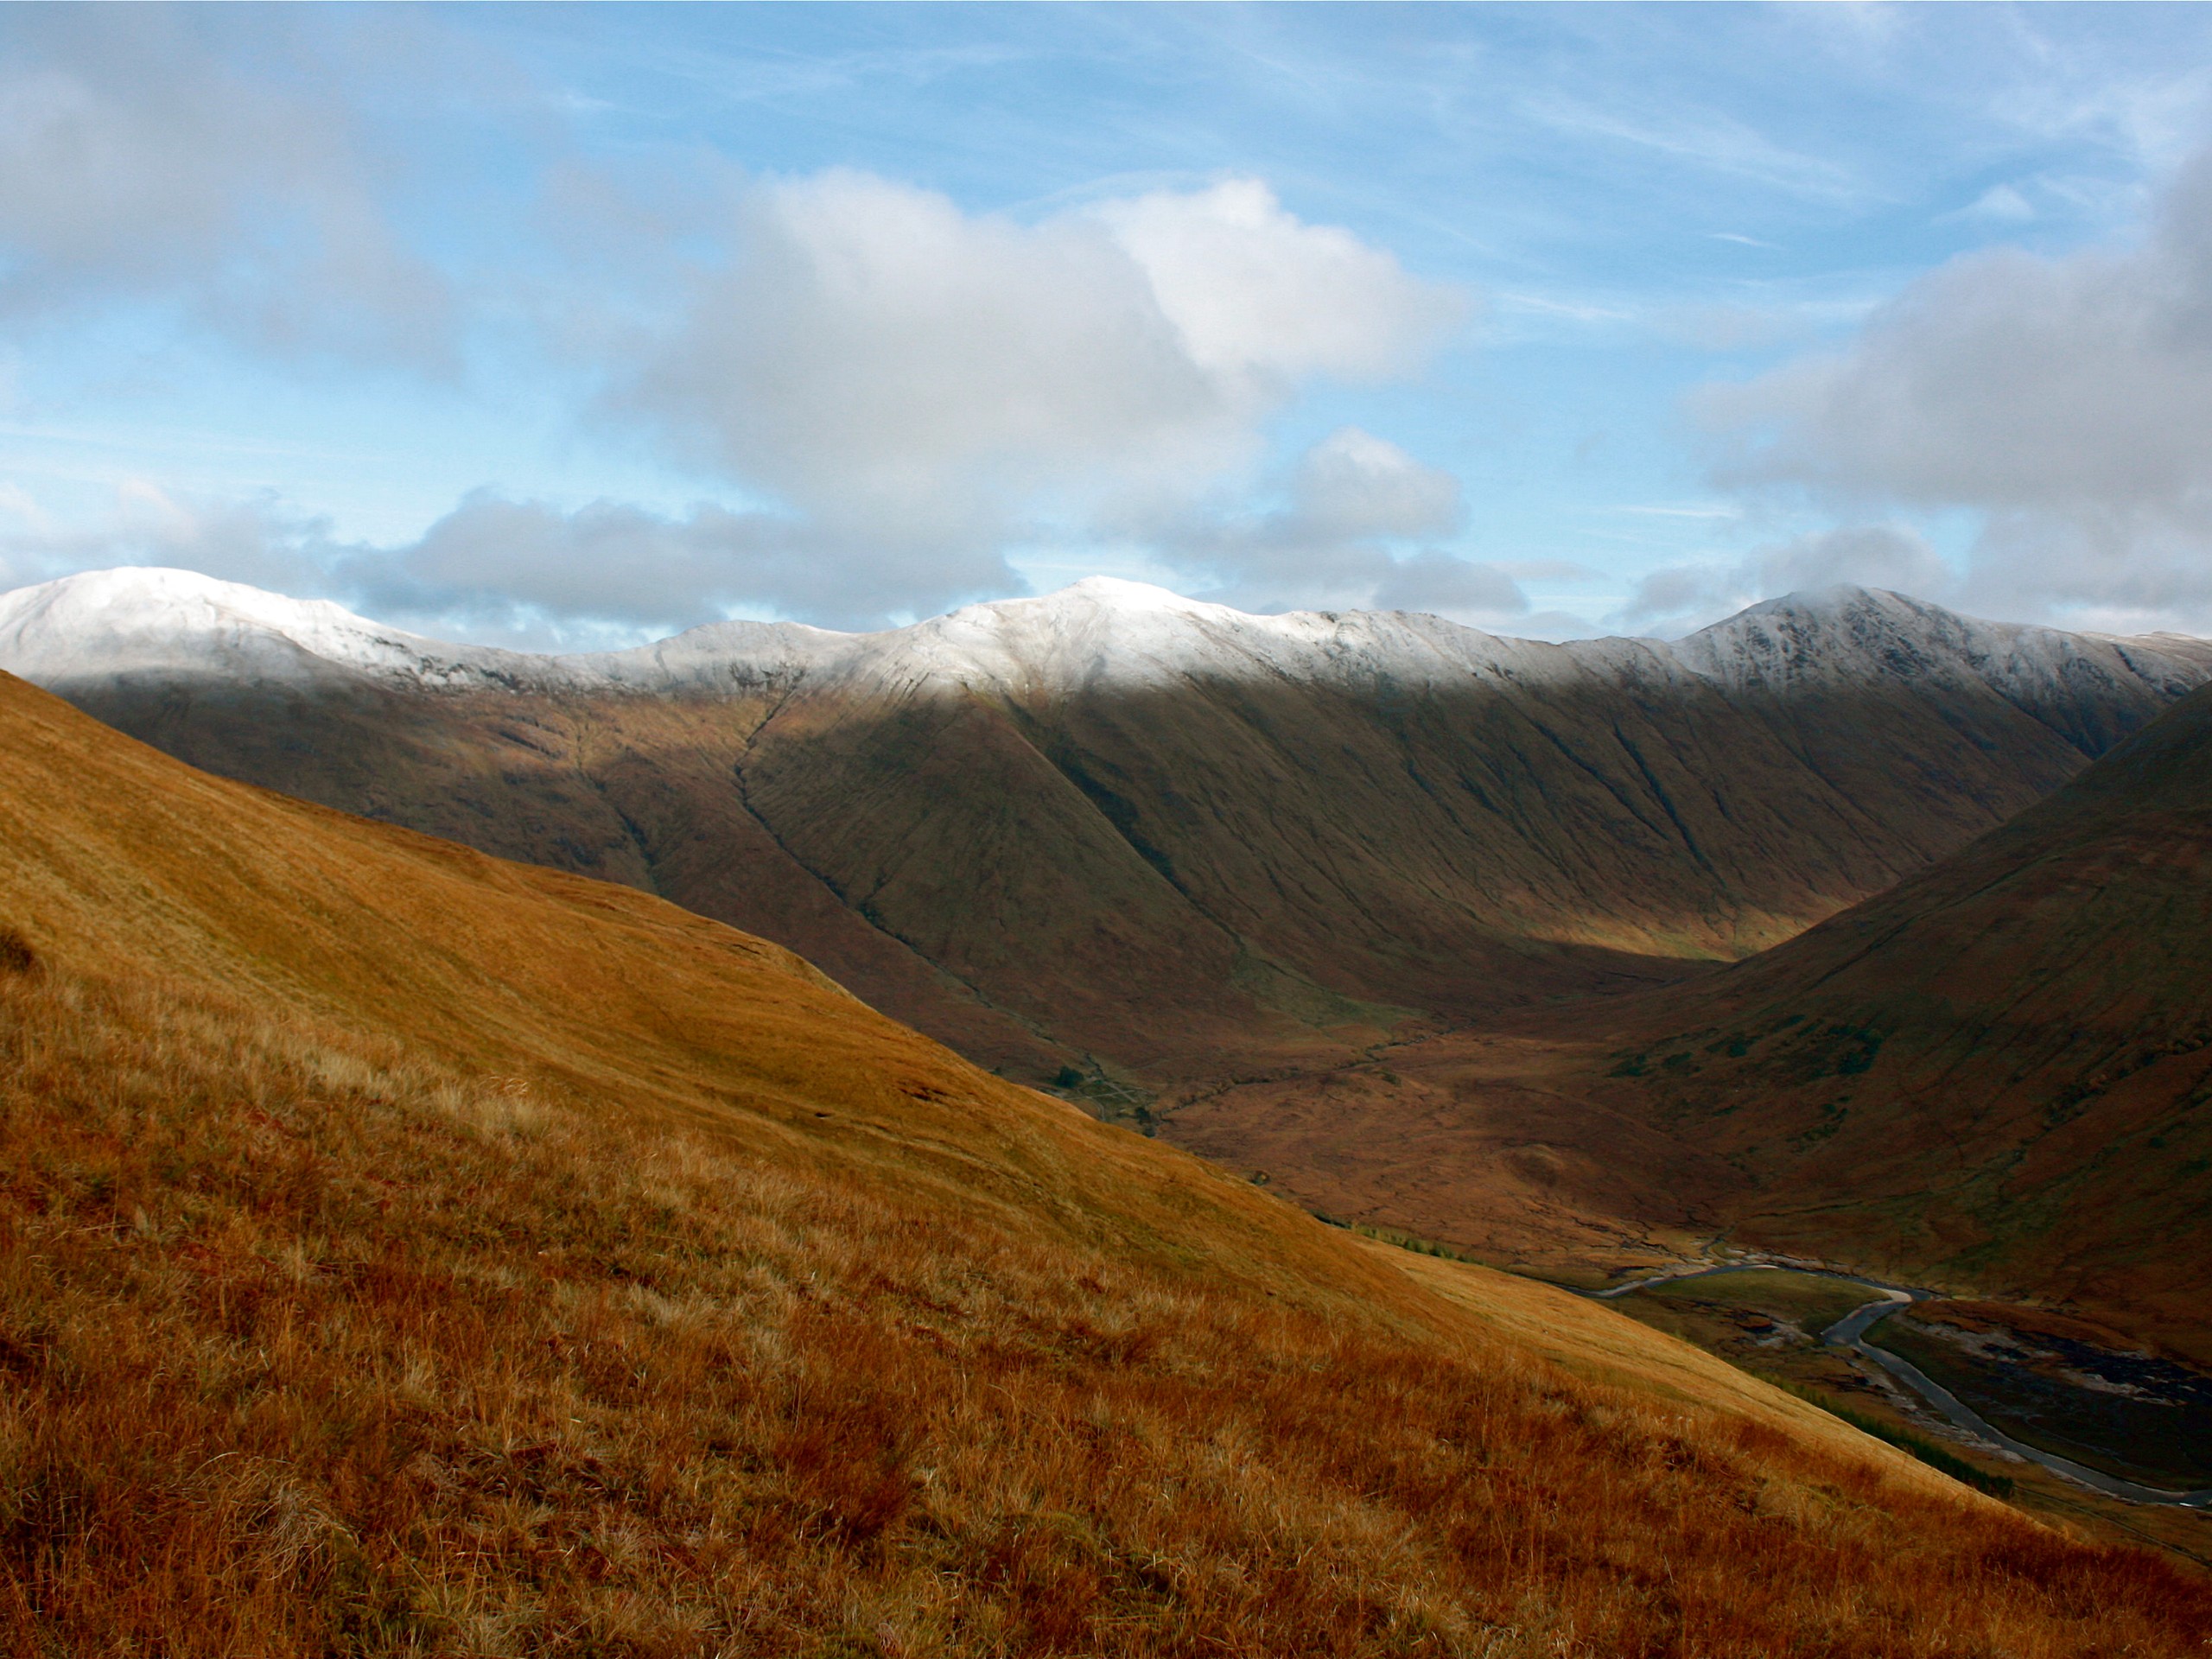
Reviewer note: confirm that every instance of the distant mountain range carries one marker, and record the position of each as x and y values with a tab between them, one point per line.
1119	833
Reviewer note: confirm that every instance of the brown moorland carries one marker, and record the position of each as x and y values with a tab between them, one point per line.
1999	1074
402	1251
1995	1077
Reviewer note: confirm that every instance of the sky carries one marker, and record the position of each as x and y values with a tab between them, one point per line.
572	327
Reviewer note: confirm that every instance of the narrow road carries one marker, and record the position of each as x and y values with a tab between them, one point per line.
1850	1332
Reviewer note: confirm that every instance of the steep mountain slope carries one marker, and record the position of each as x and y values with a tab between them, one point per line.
2000	1070
1121	824
1996	1076
401	1251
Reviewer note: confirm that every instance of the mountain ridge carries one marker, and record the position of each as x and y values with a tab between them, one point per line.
144	620
1141	838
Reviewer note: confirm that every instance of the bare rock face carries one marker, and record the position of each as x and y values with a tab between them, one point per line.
1117	828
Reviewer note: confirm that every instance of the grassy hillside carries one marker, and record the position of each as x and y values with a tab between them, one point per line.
403	1251
1999	1071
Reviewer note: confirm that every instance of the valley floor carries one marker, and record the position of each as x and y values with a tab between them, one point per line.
1487	1145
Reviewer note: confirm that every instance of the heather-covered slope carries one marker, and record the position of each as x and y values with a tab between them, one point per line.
1999	1071
1119	824
402	1251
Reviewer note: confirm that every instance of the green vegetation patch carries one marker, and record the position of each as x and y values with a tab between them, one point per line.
1412	1242
1812	1301
2151	1419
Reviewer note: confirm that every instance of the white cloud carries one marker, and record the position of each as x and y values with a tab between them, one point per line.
511	572
1327	544
1677	598
1352	507
2066	399
1430	581
531	574
905	376
910	389
514	564
1353	485
138	161
904	388
1255	292
255	540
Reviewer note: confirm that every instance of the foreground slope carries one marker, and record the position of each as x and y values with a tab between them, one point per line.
1999	1071
1120	826
401	1250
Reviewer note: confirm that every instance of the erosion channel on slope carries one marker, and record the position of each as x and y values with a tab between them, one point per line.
1850	1334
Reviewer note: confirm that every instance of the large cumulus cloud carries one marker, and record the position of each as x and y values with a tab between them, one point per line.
916	387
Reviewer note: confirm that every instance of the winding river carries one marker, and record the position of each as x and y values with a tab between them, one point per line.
1850	1332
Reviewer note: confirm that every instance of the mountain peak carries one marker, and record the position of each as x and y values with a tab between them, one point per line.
1094	596
153	618
149	590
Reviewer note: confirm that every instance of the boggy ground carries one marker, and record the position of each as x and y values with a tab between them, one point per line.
2068	1387
1488	1142
403	1252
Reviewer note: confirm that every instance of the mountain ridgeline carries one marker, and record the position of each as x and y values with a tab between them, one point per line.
1116	830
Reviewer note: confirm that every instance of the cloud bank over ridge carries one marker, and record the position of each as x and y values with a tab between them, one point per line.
898	391
2065	401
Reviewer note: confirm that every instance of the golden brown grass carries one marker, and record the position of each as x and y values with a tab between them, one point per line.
404	1252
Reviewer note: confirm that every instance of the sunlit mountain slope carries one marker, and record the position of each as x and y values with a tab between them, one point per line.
403	1251
1118	824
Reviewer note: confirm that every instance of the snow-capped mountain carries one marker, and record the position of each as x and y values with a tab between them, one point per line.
1118	822
1097	634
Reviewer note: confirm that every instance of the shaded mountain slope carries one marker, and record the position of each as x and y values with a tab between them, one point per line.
1119	824
401	1251
1999	1071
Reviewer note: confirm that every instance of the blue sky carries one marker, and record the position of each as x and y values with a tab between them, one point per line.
576	325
